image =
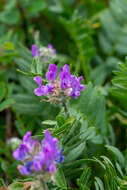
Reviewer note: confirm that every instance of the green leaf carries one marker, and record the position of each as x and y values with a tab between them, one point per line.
100	185
81	34
60	120
84	178
75	153
123	184
8	46
6	103
60	179
65	126
119	91
117	154
49	122
35	7
91	100
112	36
119	169
2	90
14	14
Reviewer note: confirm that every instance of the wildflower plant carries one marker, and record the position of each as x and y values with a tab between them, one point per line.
91	38
40	159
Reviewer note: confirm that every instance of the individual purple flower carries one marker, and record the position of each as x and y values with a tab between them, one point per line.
27	146
60	157
51	74
50	46
34	51
38	80
50	151
65	77
76	86
39	91
21	153
42	90
26	169
48	88
38	161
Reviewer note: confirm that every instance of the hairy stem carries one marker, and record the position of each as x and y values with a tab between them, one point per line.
65	109
44	185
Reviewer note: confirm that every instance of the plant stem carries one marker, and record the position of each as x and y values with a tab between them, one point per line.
65	109
44	185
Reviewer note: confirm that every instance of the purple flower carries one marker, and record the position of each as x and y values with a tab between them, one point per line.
52	168
50	151
38	91
21	153
76	86
38	157
42	90
50	46
64	86
38	161
26	169
51	74
29	143
65	77
38	80
27	146
60	157
34	50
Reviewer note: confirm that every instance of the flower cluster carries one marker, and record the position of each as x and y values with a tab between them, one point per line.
36	157
44	52
58	90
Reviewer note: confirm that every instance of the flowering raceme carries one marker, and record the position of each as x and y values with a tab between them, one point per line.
44	52
38	158
58	90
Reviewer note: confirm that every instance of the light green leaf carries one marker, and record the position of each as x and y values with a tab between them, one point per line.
60	179
118	155
100	183
75	153
6	103
49	122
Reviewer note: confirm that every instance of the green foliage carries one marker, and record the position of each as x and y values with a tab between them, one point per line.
92	99
81	34
112	36
120	85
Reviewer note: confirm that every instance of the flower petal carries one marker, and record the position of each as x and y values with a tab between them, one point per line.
34	50
38	80
38	92
51	74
